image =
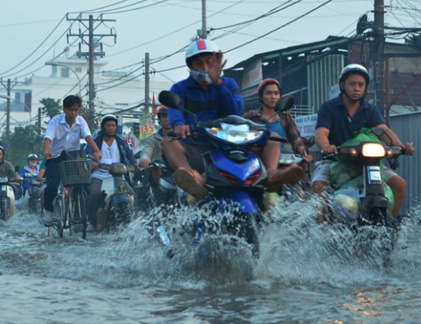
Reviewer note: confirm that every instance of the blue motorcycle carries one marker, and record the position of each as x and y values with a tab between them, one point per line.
236	179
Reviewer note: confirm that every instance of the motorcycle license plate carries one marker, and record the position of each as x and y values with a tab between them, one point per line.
375	175
3	188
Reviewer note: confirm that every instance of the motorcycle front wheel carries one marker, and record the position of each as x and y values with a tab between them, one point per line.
4	213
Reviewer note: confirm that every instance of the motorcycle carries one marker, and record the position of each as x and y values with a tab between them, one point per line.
7	198
236	179
157	187
362	200
118	207
32	196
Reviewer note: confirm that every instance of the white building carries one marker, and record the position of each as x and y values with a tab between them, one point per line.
114	91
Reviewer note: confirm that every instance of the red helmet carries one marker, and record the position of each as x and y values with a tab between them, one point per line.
162	111
264	83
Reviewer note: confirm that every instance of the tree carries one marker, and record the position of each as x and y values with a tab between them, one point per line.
22	142
50	107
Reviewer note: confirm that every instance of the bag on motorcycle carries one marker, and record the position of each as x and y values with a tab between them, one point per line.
348	174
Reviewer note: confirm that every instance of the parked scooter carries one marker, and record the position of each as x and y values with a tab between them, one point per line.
235	177
119	204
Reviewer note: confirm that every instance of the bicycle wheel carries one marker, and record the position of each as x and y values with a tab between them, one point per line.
58	214
78	212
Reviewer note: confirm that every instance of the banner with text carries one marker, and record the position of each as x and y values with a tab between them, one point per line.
146	127
306	125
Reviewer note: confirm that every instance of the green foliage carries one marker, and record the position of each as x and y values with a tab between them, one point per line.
22	142
50	107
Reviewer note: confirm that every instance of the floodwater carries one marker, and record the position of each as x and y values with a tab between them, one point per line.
306	273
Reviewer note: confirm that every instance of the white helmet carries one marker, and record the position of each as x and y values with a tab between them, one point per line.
32	156
201	46
354	69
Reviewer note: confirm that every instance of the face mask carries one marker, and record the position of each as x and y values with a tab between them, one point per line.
202	77
33	164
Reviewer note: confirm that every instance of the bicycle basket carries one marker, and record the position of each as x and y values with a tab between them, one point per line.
75	172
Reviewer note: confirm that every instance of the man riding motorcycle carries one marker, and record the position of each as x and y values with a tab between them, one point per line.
114	149
207	95
7	170
337	121
29	171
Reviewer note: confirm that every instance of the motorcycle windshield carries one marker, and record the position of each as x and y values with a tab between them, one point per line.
236	134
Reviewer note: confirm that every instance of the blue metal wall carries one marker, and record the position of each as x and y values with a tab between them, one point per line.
408	129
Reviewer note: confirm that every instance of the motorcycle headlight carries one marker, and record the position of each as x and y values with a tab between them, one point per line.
237	134
373	150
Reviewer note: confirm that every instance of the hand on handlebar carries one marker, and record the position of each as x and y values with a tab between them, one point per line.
329	149
409	149
182	131
307	157
144	163
49	155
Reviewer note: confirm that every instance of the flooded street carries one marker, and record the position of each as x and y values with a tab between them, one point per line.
305	274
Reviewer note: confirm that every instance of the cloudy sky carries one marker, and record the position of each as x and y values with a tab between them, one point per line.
33	32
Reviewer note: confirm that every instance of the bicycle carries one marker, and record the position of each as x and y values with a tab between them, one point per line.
70	202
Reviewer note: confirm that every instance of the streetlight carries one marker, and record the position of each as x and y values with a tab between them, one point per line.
52	63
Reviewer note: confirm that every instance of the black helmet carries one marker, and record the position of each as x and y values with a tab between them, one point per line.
107	118
354	69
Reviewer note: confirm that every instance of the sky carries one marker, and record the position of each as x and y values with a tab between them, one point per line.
32	32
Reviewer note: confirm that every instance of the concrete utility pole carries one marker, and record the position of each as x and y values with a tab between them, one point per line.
147	99
8	88
91	66
378	57
204	33
91	54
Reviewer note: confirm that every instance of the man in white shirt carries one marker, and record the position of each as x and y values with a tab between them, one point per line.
63	134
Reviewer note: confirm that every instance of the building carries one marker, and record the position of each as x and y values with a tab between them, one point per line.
310	73
114	91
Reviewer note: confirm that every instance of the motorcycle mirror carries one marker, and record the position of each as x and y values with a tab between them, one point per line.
172	100
284	104
169	99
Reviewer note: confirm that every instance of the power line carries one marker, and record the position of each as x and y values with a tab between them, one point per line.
42	43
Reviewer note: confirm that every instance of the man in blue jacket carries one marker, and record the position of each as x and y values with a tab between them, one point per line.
208	95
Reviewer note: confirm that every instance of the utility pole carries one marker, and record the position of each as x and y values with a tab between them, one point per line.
8	88
91	66
39	122
378	57
204	33
147	101
93	42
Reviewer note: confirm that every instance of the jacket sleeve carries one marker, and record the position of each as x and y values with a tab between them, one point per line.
148	148
128	151
229	96
176	116
292	132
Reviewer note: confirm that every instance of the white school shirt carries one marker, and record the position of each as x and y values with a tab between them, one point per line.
63	137
110	154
